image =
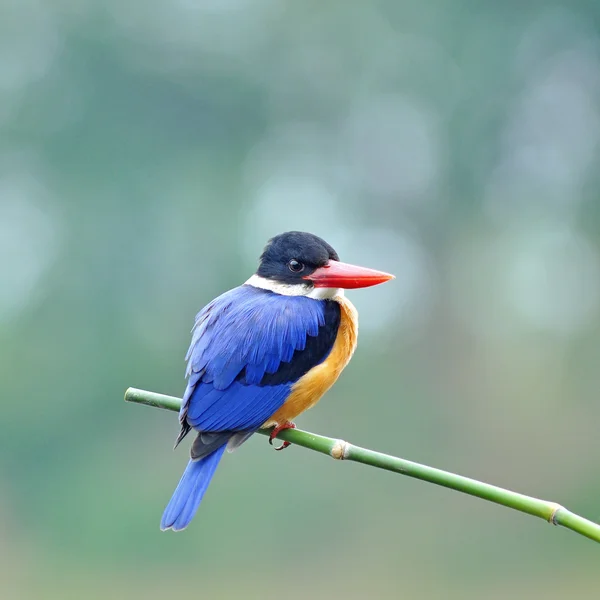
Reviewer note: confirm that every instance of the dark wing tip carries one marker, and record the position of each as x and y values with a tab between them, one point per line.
185	429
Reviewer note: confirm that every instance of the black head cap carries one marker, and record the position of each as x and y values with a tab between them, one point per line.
290	256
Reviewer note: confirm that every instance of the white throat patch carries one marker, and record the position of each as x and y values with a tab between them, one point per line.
294	289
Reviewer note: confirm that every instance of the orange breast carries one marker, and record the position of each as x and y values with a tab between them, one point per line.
307	391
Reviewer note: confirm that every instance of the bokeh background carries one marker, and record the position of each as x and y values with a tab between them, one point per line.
148	149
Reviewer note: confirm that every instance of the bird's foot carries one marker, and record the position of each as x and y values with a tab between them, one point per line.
275	432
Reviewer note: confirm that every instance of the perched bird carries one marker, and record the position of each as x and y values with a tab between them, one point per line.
264	352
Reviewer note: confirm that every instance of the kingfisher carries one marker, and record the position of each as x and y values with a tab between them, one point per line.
263	353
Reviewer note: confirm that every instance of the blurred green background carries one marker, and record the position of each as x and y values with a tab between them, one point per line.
148	150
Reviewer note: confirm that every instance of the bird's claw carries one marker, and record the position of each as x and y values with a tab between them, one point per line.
276	430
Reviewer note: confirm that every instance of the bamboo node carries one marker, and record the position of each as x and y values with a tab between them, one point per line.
555	508
340	450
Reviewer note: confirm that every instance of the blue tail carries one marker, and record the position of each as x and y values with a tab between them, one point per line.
187	496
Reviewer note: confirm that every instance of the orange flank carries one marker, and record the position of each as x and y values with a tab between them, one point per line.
309	389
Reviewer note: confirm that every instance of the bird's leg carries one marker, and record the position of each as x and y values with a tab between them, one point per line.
277	429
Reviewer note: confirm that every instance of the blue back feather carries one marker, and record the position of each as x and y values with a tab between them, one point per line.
242	339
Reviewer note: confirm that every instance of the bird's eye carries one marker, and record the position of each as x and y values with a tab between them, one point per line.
295	266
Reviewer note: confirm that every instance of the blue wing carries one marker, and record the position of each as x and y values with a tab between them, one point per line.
248	347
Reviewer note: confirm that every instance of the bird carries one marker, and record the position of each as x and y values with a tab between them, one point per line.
264	352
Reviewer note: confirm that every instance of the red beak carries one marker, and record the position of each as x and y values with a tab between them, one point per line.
337	274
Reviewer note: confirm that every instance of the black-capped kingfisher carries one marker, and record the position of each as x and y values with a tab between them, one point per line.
263	353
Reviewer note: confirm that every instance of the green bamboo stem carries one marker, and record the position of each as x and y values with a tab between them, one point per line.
549	511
